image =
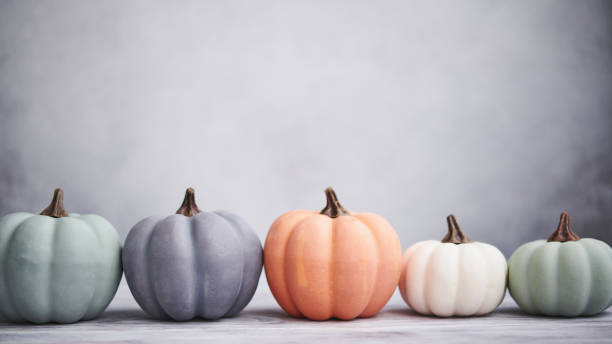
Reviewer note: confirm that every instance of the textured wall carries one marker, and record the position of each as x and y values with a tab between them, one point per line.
500	112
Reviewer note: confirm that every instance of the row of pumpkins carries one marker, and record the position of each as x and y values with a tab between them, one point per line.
56	267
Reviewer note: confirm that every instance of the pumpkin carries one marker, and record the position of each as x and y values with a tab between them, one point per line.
454	277
562	276
57	267
193	263
332	263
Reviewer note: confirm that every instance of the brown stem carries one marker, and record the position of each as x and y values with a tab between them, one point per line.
564	230
333	207
56	207
454	235
189	207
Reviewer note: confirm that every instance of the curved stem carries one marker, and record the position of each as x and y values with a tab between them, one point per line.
454	235
56	207
189	207
564	231
333	208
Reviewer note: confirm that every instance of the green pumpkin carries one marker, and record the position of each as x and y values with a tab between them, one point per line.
564	276
56	267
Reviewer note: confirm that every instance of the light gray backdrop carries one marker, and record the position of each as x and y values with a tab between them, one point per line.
497	111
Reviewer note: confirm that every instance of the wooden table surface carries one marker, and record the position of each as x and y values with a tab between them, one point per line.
264	322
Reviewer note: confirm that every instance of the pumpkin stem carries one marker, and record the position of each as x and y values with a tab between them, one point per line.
333	208
56	207
564	231
189	207
454	235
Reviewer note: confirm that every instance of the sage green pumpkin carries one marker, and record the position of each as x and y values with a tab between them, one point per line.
564	276
56	267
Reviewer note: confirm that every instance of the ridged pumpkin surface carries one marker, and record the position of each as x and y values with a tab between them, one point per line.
453	277
58	270
203	264
321	267
562	278
446	279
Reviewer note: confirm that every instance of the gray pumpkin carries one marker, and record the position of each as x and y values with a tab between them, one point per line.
192	264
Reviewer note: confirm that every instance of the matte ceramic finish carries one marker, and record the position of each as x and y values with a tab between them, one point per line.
446	279
570	278
207	265
321	267
57	269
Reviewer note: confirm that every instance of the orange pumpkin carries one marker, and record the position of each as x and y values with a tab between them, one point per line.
332	263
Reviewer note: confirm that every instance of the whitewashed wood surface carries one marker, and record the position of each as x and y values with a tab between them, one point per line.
264	322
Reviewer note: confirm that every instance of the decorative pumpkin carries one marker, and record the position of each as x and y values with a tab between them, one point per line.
563	276
57	267
454	277
332	263
192	264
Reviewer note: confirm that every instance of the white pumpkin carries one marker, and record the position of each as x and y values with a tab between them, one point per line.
454	277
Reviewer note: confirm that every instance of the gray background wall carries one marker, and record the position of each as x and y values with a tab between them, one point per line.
500	112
